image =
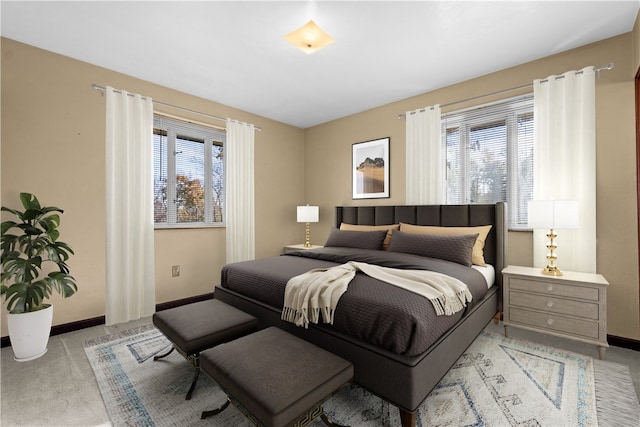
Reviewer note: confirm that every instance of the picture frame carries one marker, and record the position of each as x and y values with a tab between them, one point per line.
370	169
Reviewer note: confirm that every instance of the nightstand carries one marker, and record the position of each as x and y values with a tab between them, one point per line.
292	248
572	306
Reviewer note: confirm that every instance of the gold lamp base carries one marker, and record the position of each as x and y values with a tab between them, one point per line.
307	235
551	269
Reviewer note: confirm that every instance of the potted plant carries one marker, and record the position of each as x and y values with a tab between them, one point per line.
34	264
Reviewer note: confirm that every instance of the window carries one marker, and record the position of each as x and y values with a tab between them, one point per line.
188	174
489	156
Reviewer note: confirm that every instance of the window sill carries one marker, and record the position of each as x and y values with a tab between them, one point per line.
187	226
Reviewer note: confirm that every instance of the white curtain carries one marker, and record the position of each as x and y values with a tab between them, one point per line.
425	179
130	277
565	163
239	190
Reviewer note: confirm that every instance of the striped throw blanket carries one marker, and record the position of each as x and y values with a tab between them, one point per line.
316	293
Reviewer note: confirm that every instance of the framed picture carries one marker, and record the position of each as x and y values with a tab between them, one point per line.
370	169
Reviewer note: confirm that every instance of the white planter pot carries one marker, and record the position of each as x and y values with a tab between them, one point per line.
29	333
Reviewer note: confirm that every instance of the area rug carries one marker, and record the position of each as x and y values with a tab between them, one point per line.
497	382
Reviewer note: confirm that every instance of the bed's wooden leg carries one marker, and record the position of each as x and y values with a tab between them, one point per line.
496	318
407	419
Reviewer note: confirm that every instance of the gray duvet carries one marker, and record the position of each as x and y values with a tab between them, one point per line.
373	311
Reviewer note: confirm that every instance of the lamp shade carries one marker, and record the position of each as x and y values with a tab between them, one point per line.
309	38
308	214
553	214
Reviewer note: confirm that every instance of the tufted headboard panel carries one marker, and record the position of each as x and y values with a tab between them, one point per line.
439	215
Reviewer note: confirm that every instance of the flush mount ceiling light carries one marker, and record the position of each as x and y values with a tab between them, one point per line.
309	38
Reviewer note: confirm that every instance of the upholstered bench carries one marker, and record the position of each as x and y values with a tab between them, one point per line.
275	378
195	327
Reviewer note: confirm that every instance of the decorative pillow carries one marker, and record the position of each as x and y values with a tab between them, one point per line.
389	228
478	249
449	248
356	239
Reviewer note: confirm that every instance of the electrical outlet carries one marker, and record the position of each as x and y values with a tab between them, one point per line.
175	271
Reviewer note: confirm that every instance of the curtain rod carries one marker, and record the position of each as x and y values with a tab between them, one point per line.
608	66
102	88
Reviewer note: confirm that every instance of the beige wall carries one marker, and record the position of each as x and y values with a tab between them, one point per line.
53	131
328	157
636	45
52	119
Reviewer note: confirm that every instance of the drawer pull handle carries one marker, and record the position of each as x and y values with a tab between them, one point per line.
550	322
549	288
549	304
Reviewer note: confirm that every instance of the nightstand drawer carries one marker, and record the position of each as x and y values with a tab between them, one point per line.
576	327
557	289
551	304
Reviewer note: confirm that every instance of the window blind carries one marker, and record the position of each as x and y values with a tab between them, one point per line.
489	155
188	172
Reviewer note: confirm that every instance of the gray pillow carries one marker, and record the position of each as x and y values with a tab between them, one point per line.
356	239
456	249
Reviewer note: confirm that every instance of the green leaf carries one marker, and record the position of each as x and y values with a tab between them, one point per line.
64	284
13	211
53	235
29	229
48	209
16	304
36	245
17	287
58	252
62	246
50	222
38	290
25	270
10	255
7	225
53	254
29	201
15	297
35	293
31	214
9	243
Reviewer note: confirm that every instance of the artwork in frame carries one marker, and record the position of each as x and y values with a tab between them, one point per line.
370	169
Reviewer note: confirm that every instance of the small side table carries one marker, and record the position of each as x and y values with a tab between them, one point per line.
301	246
572	306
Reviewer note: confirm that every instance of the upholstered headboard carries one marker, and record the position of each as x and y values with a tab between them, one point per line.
495	248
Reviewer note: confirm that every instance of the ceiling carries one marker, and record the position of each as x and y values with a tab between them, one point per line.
234	52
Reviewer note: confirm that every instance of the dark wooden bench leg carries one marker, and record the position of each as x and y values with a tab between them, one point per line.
407	419
163	355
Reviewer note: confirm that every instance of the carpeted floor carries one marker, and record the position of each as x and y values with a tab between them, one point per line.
499	381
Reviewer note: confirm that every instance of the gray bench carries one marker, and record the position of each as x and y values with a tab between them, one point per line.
275	378
195	327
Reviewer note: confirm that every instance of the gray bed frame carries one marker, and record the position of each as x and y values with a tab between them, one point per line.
406	381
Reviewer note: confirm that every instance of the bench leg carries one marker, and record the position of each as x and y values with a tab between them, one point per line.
407	419
196	374
163	355
207	414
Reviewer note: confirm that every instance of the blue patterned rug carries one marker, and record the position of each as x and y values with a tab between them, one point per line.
497	382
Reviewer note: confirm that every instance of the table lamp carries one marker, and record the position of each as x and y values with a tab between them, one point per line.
307	214
553	215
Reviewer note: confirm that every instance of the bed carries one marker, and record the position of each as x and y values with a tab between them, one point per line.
377	326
